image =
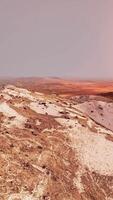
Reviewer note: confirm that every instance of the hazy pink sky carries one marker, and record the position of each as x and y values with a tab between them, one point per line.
56	38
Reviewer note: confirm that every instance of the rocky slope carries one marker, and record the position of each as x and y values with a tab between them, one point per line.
54	147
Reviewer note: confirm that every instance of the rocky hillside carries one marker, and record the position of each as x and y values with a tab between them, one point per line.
55	147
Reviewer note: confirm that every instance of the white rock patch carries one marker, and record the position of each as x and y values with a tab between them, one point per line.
20	92
51	109
9	112
78	182
19	105
94	150
101	112
21	196
38	122
6	96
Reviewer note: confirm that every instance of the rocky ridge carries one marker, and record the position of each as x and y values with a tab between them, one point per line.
54	147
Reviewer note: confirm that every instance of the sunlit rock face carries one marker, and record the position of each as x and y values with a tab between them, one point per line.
55	147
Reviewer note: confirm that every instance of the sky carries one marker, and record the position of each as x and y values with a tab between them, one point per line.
65	38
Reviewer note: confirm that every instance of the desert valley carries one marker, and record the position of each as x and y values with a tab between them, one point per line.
56	139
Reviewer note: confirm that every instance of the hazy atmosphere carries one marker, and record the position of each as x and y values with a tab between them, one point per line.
69	38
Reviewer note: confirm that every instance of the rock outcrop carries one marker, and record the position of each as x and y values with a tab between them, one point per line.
55	148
